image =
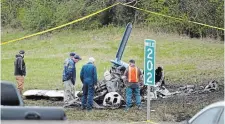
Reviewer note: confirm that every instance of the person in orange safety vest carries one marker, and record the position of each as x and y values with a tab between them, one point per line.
133	75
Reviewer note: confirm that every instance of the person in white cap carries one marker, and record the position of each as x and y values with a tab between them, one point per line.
88	76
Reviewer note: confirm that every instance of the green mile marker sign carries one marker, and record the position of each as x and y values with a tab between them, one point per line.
149	65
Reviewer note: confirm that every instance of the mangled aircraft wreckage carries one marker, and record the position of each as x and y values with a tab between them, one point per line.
110	91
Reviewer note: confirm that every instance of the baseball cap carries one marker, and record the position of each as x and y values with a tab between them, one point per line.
72	54
21	52
77	57
132	61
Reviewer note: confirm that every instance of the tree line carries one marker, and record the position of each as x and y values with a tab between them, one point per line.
38	15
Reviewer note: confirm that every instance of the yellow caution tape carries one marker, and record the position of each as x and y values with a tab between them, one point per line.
159	14
95	13
42	32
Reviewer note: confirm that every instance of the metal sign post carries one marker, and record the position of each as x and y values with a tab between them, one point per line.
149	69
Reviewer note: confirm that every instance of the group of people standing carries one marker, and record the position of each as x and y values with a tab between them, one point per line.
88	77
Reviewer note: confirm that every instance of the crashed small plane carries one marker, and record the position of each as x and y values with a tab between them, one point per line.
110	91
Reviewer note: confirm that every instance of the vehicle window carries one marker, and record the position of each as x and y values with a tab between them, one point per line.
9	95
208	117
221	121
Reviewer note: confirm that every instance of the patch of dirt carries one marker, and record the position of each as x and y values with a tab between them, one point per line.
184	106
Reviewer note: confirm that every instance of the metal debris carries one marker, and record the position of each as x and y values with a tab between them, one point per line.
212	86
110	92
192	89
112	100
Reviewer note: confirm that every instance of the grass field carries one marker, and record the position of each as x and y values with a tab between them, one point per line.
185	61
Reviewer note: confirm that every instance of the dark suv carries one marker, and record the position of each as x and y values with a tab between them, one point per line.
12	107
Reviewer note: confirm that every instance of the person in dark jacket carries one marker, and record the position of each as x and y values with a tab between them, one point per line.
69	77
159	76
20	70
88	76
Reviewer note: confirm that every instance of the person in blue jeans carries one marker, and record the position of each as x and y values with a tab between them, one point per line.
88	76
133	75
